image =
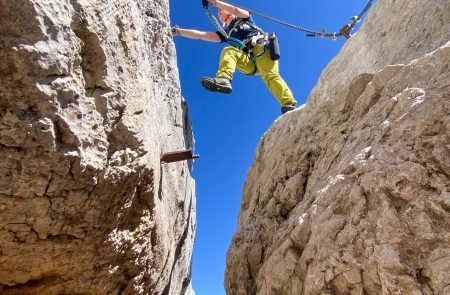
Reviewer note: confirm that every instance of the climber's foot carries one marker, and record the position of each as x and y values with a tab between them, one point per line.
221	85
287	108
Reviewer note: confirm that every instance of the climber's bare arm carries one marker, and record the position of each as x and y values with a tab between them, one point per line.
238	12
201	35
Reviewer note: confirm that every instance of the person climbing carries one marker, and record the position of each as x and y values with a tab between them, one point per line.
253	58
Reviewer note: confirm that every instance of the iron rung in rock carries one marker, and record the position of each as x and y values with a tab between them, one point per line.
178	156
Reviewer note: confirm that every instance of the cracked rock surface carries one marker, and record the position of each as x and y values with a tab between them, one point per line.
350	194
89	100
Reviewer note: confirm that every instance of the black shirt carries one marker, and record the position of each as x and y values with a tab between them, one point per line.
240	28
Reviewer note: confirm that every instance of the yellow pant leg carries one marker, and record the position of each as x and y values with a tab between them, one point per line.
232	58
271	77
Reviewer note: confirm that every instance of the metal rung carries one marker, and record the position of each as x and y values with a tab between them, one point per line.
178	156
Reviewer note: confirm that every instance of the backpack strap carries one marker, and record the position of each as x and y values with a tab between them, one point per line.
236	23
239	21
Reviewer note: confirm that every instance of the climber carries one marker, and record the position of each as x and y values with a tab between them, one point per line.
252	59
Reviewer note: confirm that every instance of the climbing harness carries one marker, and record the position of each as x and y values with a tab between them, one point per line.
343	32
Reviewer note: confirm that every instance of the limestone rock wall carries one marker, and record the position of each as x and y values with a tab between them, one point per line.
89	100
350	194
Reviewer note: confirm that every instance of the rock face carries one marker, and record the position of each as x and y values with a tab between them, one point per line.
89	100
350	194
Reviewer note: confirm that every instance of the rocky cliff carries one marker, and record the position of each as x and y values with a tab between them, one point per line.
89	100
350	194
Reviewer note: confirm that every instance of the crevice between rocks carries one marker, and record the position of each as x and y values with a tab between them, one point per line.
29	285
179	247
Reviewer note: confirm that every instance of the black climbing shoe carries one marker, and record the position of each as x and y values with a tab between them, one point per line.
221	85
287	108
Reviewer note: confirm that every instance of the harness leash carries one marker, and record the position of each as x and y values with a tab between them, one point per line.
343	32
243	45
232	41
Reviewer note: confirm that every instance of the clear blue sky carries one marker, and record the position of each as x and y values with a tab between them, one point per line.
227	128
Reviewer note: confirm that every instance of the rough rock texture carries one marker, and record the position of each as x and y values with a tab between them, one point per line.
350	194
89	99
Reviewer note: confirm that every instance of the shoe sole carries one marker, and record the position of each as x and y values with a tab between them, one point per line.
211	86
287	109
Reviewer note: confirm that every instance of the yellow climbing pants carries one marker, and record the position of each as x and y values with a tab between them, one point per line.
232	58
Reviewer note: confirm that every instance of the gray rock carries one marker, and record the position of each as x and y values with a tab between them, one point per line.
350	193
89	100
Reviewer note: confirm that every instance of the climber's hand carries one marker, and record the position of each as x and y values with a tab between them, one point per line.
207	3
175	31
